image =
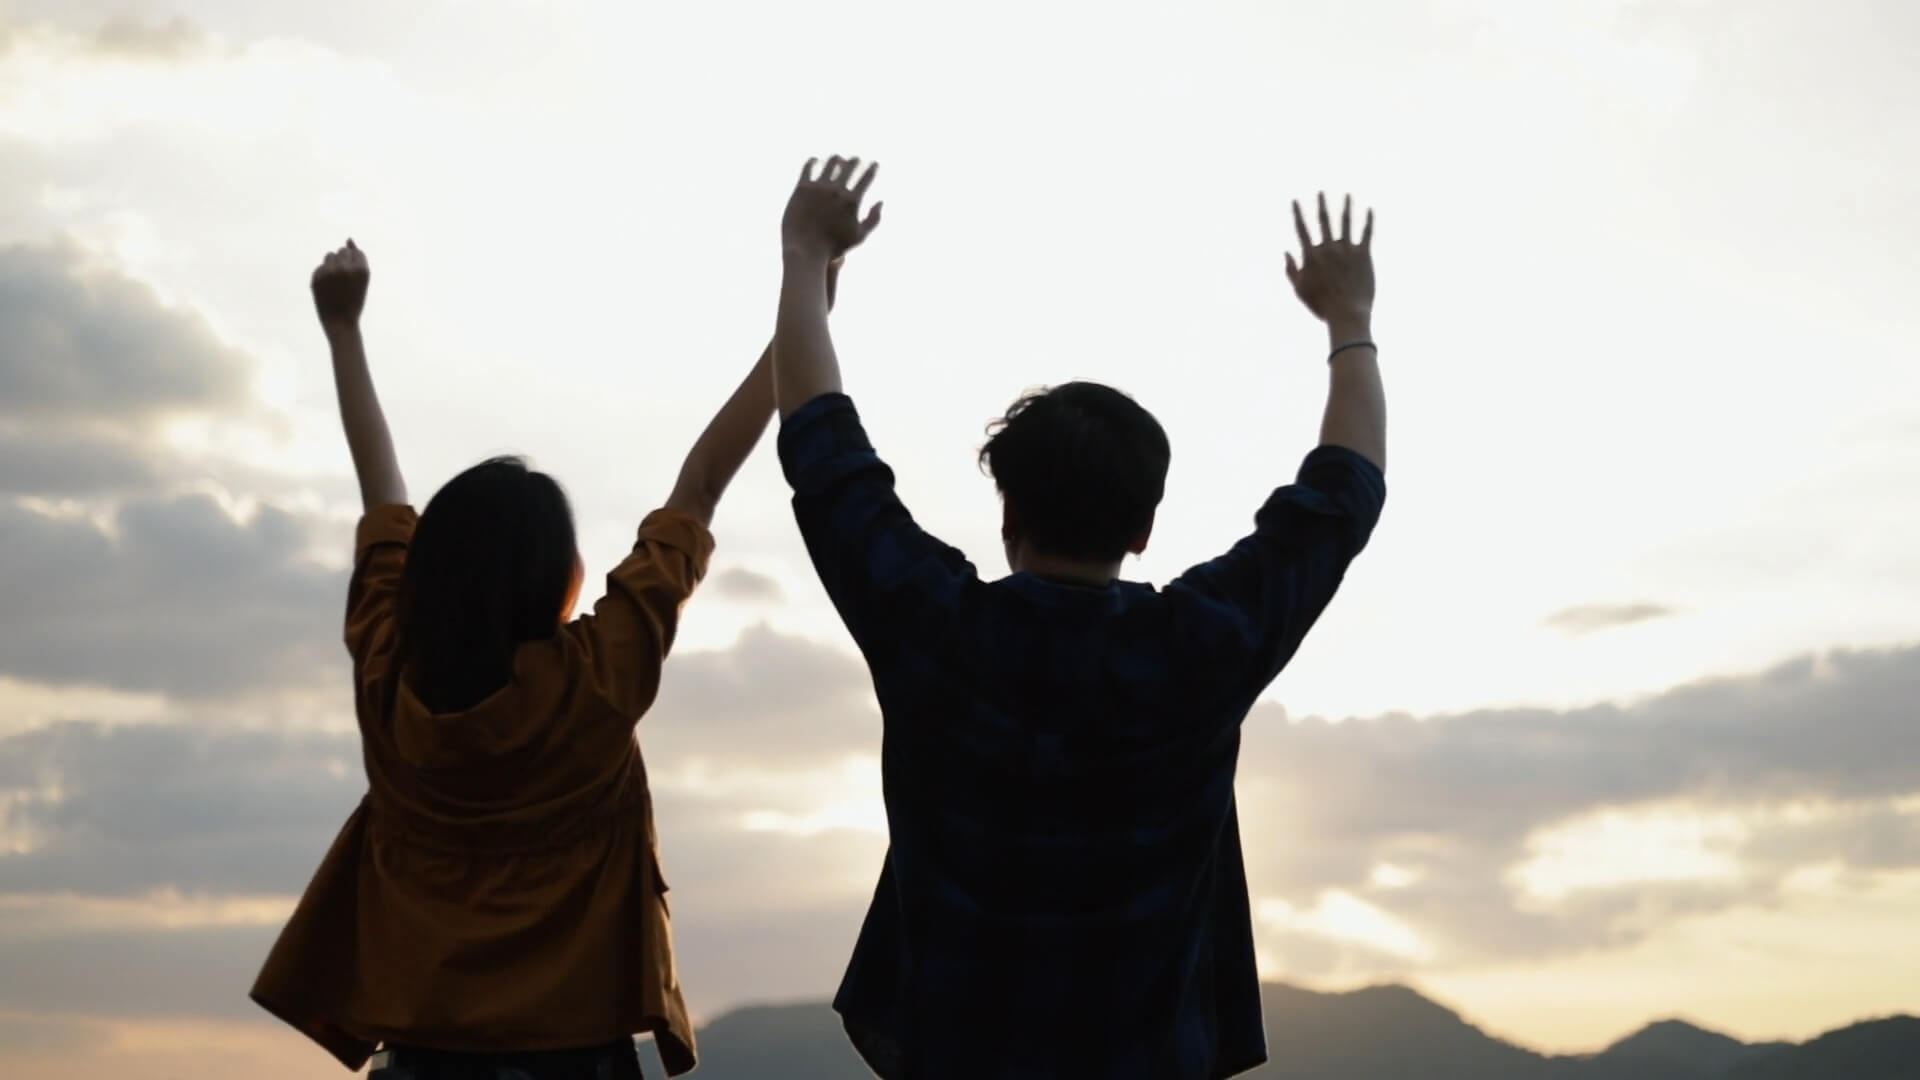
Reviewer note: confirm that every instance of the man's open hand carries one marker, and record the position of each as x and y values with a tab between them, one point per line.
340	287
1334	277
823	215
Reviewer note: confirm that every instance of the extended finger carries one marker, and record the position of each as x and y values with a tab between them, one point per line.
1366	231
1346	219
1300	229
806	171
847	167
866	180
1293	268
872	222
831	174
1326	228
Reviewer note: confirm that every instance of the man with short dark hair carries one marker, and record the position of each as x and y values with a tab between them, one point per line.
1064	894
1081	468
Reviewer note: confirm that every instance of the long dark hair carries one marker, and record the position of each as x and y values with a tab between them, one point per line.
491	565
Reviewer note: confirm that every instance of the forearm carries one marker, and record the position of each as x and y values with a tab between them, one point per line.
368	440
805	365
723	447
735	430
1356	414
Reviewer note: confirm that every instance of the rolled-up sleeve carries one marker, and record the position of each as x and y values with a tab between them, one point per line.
379	558
626	639
1274	583
885	574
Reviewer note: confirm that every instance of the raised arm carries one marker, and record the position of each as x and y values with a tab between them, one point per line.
733	432
1273	585
890	579
1334	279
822	223
339	295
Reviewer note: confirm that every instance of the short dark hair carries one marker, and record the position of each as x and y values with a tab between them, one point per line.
1084	467
490	565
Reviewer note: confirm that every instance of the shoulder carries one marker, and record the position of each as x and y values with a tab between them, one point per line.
824	441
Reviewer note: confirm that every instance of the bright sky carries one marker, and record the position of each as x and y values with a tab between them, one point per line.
1645	312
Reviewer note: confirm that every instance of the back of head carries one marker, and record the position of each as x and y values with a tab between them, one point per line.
1082	466
493	564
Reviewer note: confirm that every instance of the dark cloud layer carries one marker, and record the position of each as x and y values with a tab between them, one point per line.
777	698
90	344
127	811
159	592
1457	797
92	365
144	808
74	462
172	595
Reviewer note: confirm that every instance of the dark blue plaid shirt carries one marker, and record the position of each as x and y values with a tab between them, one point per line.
1064	894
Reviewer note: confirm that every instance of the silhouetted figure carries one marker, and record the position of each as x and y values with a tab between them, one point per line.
1064	894
495	903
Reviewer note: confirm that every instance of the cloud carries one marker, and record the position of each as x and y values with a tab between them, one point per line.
142	585
117	37
201	972
1591	617
174	39
1810	761
93	366
86	341
172	594
23	1035
135	810
746	586
74	463
772	699
1393	845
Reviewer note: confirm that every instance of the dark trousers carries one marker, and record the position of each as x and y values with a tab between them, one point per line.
615	1061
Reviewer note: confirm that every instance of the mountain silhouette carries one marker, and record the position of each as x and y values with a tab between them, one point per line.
1677	1049
1378	1032
1386	1032
792	1042
1886	1049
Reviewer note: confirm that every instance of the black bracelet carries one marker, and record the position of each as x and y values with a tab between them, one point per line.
1352	345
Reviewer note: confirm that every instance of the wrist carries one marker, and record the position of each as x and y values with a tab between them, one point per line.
341	330
799	256
1346	329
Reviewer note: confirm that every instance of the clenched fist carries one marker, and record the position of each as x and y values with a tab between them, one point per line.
340	287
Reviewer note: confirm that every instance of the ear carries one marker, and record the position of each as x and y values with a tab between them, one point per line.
1139	545
1009	521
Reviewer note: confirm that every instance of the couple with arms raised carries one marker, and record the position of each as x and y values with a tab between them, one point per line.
1063	894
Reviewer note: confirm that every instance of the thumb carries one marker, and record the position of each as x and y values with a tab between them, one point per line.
873	220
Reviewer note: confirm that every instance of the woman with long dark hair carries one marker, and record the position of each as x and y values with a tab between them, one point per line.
494	907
